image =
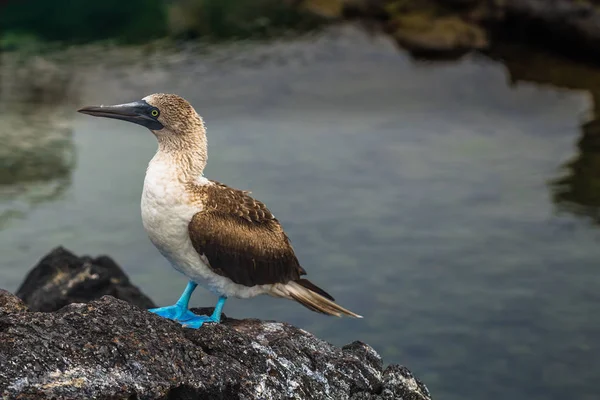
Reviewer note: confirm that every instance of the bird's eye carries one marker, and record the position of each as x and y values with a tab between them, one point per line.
154	113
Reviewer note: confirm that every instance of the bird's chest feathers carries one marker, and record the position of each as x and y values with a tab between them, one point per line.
166	209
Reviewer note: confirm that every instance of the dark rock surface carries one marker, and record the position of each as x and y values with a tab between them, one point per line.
62	278
108	348
10	304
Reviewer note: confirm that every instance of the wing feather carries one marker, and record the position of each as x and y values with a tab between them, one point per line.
241	238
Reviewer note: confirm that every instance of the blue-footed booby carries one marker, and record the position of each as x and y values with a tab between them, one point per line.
217	236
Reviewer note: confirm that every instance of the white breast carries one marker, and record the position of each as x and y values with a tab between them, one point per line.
166	214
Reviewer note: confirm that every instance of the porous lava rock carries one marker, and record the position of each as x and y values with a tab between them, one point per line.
110	349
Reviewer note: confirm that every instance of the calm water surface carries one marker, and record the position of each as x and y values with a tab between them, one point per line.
419	195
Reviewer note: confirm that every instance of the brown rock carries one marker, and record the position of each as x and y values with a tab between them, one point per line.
431	36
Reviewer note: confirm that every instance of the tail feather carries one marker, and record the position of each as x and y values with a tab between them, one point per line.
311	286
311	297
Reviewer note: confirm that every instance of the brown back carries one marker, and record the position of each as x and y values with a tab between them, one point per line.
241	239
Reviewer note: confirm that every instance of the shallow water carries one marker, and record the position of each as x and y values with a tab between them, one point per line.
419	195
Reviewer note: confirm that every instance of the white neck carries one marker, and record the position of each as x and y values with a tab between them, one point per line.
186	155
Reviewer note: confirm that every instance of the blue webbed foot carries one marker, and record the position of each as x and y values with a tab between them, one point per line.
175	312
196	321
187	318
180	313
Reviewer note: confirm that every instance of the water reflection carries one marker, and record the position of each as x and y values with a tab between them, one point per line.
37	153
577	189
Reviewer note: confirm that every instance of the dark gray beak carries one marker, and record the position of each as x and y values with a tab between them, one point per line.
138	112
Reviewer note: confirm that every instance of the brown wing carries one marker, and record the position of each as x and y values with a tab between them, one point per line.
241	239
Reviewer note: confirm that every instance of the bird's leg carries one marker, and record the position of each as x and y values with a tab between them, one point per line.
184	300
216	315
179	311
196	321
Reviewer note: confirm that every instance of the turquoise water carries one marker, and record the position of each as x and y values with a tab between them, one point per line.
419	195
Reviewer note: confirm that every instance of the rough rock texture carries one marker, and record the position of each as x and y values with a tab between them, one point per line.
10	304
111	349
61	278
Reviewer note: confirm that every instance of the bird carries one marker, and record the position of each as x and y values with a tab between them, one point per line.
217	236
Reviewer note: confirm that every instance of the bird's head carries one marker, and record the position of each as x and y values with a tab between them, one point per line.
168	116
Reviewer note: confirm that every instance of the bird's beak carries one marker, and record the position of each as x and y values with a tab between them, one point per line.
138	112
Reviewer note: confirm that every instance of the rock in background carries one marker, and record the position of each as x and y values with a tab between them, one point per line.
62	278
450	28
